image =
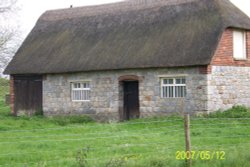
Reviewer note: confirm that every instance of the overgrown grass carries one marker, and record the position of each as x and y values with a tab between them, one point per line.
151	142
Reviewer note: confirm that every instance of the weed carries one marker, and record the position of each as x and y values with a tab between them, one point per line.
116	162
38	112
82	156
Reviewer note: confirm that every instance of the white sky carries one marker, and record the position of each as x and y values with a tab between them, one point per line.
30	10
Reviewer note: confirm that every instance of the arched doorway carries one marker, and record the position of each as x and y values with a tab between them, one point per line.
129	89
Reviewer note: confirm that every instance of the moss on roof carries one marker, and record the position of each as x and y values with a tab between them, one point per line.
125	35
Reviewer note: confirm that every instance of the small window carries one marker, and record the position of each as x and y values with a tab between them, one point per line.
239	45
80	91
173	87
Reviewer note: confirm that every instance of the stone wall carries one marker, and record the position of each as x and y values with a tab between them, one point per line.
228	86
106	93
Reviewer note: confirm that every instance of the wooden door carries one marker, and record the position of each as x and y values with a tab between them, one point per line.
28	94
131	100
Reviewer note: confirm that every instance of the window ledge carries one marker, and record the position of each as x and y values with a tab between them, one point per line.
177	98
240	59
80	100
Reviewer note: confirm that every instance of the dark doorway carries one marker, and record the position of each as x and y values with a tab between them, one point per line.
28	94
131	100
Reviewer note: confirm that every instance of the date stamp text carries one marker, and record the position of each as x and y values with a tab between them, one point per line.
200	155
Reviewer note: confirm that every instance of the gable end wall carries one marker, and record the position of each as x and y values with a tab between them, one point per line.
224	53
229	79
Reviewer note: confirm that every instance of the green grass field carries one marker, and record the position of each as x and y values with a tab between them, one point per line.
153	142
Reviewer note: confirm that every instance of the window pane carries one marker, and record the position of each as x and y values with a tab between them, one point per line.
178	81
168	81
182	91
86	85
81	95
183	81
163	91
173	88
170	91
239	43
176	91
79	91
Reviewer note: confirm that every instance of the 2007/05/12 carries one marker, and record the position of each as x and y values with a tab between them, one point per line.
203	155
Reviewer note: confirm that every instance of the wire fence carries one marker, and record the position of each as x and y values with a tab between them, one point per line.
103	144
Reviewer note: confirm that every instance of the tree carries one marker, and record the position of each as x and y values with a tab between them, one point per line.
8	33
6	5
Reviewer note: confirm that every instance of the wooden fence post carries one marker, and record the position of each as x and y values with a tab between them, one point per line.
187	139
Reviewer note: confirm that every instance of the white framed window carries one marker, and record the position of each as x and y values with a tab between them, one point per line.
173	87
239	45
80	91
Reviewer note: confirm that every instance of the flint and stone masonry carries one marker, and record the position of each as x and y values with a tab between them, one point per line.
106	100
220	89
228	86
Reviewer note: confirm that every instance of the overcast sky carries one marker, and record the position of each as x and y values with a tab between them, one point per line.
30	10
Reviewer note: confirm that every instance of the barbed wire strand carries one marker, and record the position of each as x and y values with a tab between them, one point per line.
89	159
106	133
86	138
235	136
125	145
221	128
137	130
192	124
222	145
63	128
84	126
206	119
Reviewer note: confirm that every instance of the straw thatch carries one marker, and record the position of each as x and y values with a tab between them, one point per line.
126	35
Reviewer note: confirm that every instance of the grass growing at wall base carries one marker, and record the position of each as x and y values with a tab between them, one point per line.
234	112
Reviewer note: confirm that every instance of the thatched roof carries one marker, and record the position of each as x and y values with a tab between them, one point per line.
126	35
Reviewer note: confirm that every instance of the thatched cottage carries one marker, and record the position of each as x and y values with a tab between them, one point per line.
134	58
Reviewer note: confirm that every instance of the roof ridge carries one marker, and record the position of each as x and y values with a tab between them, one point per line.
229	19
127	5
